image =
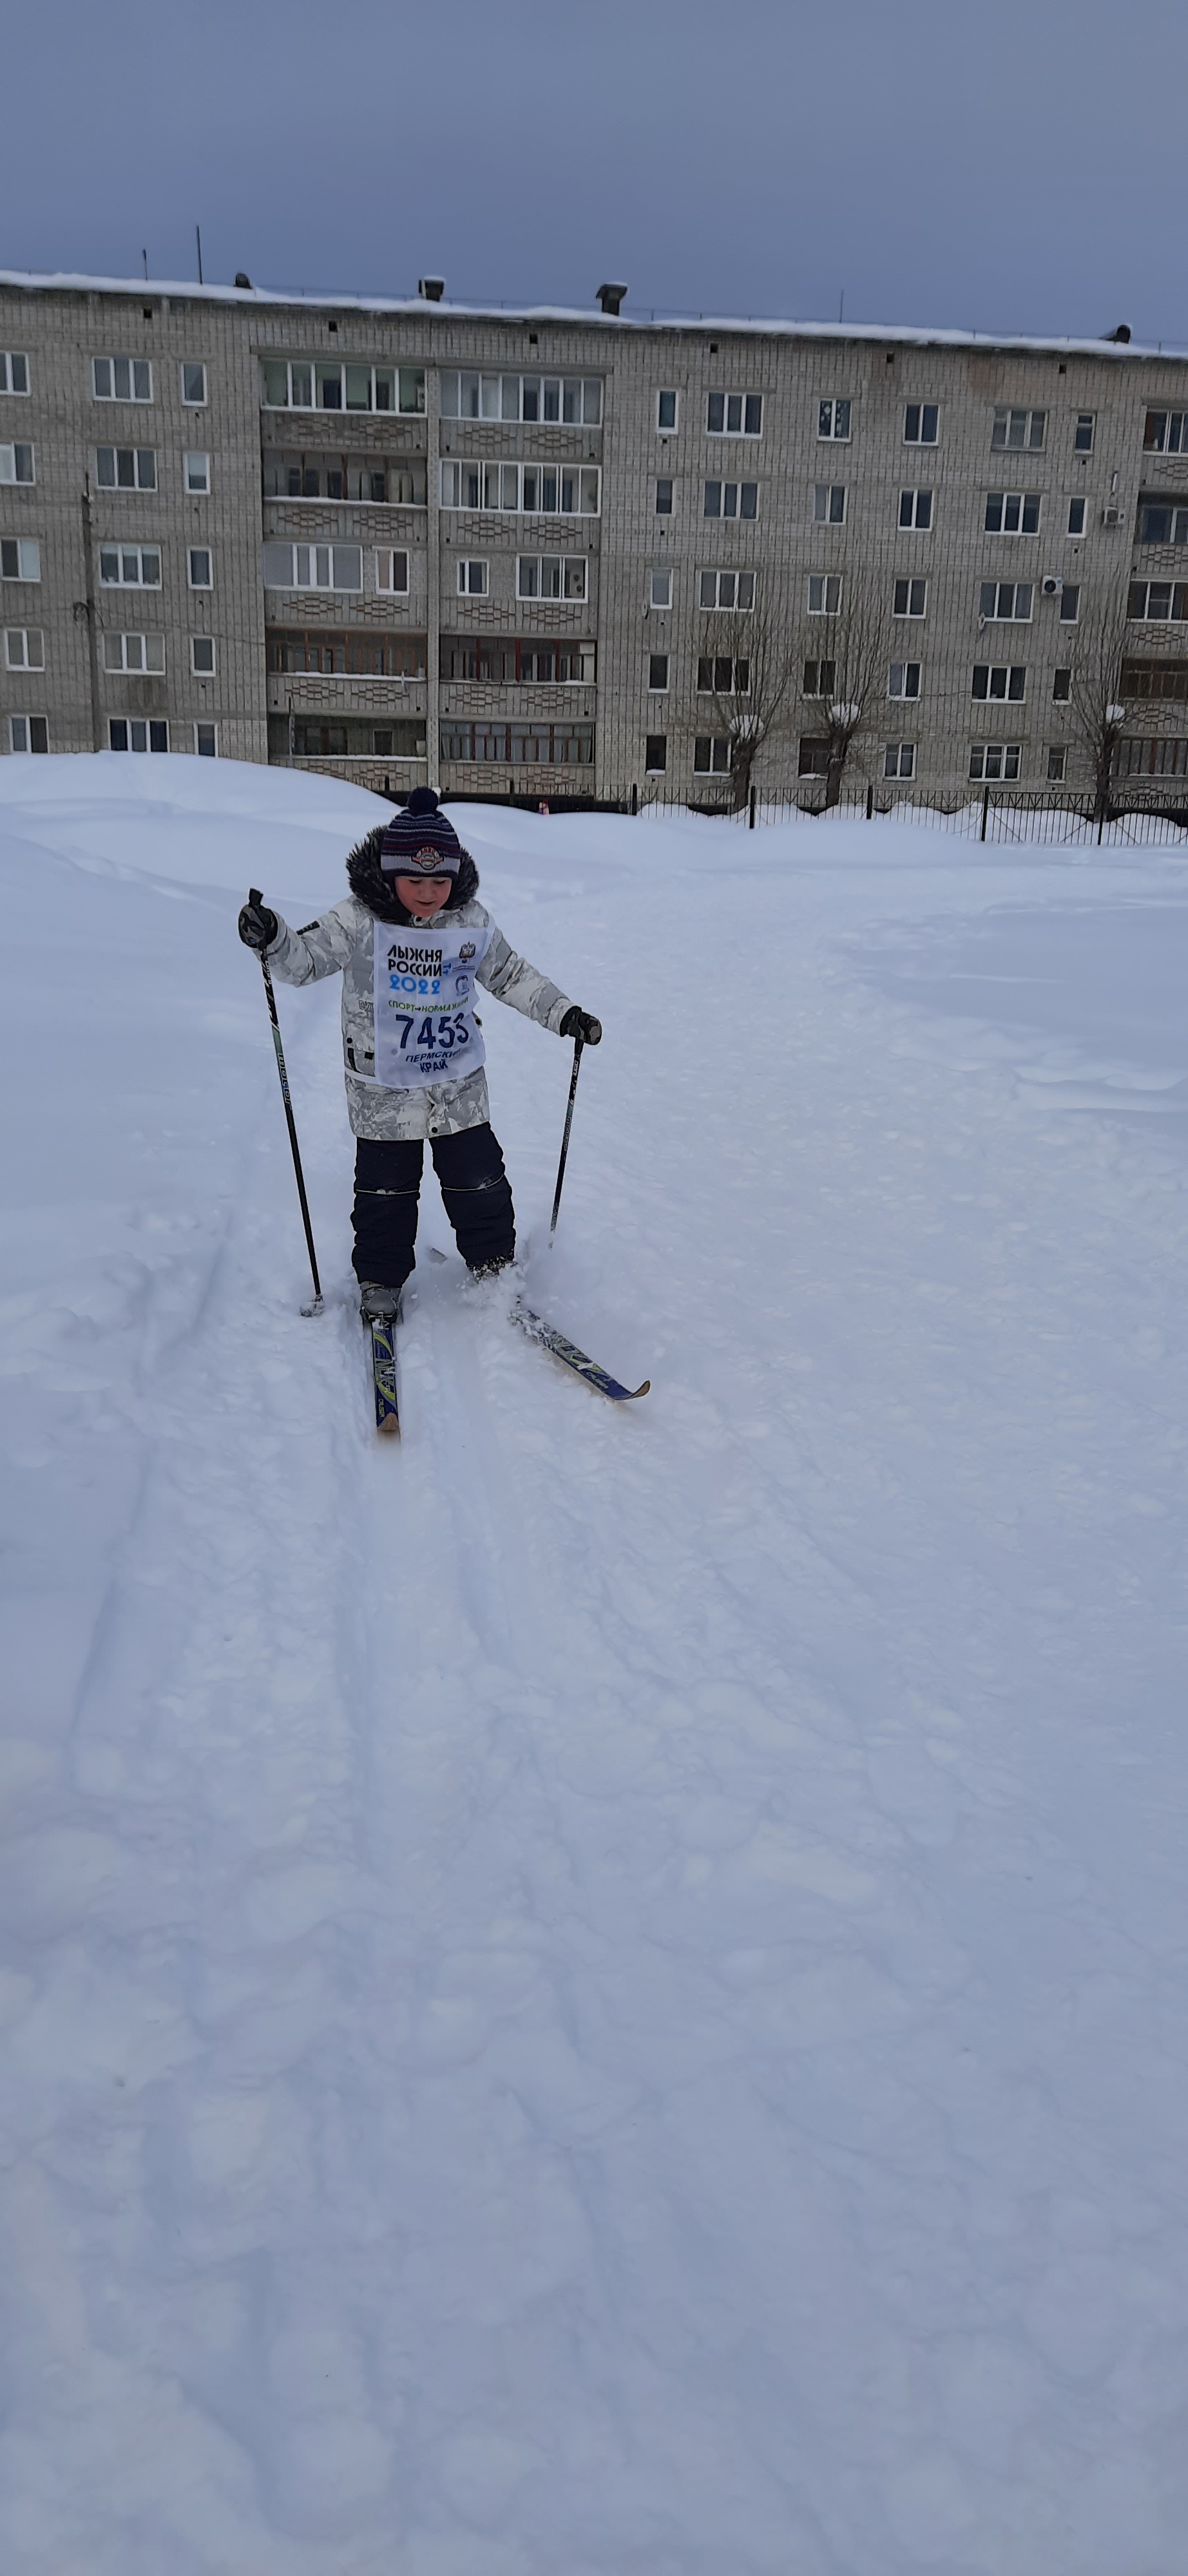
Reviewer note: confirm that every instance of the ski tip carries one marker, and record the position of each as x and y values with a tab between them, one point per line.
645	1389
389	1428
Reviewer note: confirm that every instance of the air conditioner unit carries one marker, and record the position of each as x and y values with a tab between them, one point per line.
1052	586
1111	518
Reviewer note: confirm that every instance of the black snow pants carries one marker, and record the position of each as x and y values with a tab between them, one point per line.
474	1187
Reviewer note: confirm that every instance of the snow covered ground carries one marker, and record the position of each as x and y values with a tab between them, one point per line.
600	1993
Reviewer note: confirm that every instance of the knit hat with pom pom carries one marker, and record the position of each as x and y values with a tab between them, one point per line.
420	841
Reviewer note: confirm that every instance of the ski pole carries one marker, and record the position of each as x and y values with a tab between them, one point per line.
578	1044
254	896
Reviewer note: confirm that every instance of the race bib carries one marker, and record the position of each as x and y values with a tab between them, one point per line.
425	1028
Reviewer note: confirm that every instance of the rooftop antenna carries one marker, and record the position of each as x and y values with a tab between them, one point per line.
144	256
198	239
841	306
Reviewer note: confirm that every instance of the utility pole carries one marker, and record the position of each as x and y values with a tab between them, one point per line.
433	568
87	604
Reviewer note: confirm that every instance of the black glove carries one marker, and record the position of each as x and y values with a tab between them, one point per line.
257	925
580	1024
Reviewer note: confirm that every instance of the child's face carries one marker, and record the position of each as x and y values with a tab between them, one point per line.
422	896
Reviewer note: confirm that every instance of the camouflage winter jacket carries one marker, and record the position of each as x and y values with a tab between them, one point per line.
341	942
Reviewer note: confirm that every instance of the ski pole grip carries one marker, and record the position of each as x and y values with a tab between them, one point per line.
254	895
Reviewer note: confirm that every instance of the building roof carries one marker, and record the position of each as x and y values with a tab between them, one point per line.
905	335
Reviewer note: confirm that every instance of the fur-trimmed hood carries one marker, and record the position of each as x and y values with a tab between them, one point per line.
375	886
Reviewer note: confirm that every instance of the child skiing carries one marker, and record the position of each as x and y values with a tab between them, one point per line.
411	942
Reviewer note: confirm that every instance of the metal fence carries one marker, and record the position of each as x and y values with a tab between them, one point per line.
997	814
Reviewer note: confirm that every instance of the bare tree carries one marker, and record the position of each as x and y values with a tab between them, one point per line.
844	661
1099	712
746	665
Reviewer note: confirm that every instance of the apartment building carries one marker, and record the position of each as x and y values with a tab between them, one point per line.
558	553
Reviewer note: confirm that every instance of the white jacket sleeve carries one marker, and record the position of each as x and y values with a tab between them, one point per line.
511	979
321	948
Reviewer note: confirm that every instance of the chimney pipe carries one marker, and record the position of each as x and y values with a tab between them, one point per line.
432	288
610	298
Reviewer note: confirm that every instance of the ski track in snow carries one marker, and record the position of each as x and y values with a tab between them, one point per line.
600	1991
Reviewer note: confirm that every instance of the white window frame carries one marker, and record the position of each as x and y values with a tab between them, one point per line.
1008	695
659	688
1016	501
668	393
722	581
530	489
995	764
206	724
24	660
123	579
899	760
830	408
568	565
917	438
568	402
997	615
1027	444
1070	603
904	691
200	671
10	463
1173	438
467	587
10	361
24	555
23	725
196	456
322	371
198	554
1144	616
313	567
1058	755
735	408
660	589
140	666
1077	501
192	402
914	494
145	725
824	594
822	512
140	380
911	583
730	493
664	484
116	483
714	744
1084	446
653	769
391	556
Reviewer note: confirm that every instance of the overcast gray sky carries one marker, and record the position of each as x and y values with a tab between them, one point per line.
1017	168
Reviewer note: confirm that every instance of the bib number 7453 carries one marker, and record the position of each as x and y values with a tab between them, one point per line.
442	1034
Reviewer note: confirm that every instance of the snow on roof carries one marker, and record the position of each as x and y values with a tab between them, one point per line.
906	335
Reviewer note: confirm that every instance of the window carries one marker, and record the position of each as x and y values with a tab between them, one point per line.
734	415
20	559
1061	686
915	509
24	648
323	384
1076	518
1012	514
819	679
202	655
140	653
200	573
720	675
361	652
551	491
994	759
733	590
521	746
824	594
656	754
501	660
28	733
550	576
193	381
833	419
14	372
391	569
999	680
206	741
300	476
662	504
1166	433
910	599
919	424
316	739
829	504
1057	760
667	409
711	755
138	733
1161	523
731	501
121	379
1070	603
903	680
1161	602
1155	680
126	469
311	567
657	670
899	760
575	400
1005	600
813	757
1018	428
661	590
1165	756
472	576
197	470
16	465
130	567
1083	437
